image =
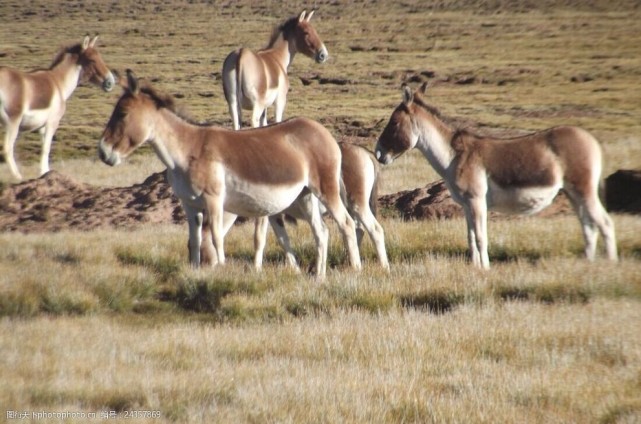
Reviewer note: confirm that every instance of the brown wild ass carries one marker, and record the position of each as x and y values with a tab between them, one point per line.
256	80
212	170
36	100
359	189
516	175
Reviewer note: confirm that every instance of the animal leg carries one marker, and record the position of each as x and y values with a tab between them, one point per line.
310	208
46	134
260	239
279	108
217	222
471	237
263	118
257	113
476	217
207	251
278	225
593	216
367	219
10	136
347	228
195	223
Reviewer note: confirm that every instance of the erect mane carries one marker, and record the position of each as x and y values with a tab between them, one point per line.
460	128
73	49
418	99
167	101
284	28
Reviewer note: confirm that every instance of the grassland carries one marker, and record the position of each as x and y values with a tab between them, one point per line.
117	321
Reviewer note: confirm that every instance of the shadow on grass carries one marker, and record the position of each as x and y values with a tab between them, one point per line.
436	302
547	293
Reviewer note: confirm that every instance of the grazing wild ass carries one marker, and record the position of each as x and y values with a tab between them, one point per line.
212	170
516	175
256	80
36	100
359	189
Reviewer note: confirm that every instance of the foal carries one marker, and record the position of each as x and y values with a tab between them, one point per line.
517	175
36	100
256	80
212	170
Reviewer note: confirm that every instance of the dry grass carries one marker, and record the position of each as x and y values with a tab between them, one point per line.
118	321
105	321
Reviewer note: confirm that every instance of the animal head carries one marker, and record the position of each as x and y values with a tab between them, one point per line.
400	134
307	40
93	67
130	122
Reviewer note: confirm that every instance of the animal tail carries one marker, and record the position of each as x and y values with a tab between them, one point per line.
232	86
373	198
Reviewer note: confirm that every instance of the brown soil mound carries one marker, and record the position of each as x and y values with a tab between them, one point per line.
55	202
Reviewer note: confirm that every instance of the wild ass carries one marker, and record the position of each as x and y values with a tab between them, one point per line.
359	189
517	175
212	170
256	80
36	100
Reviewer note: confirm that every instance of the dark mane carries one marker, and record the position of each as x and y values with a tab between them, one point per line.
167	101
75	49
285	28
431	109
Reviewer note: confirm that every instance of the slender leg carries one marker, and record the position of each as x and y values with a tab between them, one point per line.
375	231
479	208
195	223
10	136
256	116
471	237
593	216
46	134
260	239
278	225
216	219
279	107
310	208
347	228
477	232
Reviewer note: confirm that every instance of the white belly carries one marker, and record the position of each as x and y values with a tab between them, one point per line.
526	200
258	199
34	119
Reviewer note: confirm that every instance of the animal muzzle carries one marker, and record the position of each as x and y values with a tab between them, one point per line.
322	55
107	154
109	82
383	157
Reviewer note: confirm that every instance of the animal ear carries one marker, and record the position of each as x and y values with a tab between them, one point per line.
92	43
132	82
309	15
301	17
423	87
408	96
86	42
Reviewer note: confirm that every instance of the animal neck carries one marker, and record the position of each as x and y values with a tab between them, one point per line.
283	50
434	141
67	75
169	138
